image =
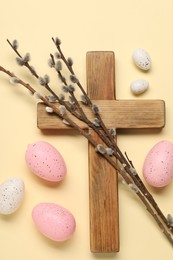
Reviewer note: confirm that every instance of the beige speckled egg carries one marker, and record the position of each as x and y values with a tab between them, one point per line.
11	195
139	86
45	161
158	164
54	221
142	59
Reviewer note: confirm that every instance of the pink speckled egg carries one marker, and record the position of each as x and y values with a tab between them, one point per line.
45	161
54	221
158	164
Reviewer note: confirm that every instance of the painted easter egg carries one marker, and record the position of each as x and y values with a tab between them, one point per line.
45	161
158	164
142	59
139	86
54	221
11	195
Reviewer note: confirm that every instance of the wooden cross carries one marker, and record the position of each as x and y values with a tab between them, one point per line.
103	183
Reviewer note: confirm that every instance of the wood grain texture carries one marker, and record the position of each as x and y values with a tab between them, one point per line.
103	183
103	199
115	113
103	190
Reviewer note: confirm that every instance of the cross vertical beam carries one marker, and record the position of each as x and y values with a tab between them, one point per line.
103	183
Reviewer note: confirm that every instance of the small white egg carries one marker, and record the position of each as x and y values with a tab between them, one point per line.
139	86
142	59
11	195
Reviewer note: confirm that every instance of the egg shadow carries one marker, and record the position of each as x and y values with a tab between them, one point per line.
14	215
61	245
9	217
49	183
46	183
157	190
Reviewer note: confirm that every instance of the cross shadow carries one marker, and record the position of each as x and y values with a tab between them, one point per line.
131	131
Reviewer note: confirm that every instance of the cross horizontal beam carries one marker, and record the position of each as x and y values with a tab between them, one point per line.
115	113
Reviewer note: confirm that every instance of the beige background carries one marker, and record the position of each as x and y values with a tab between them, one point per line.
119	26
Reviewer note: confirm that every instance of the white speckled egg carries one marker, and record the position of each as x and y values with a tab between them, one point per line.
11	195
158	164
45	161
139	86
142	59
54	221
